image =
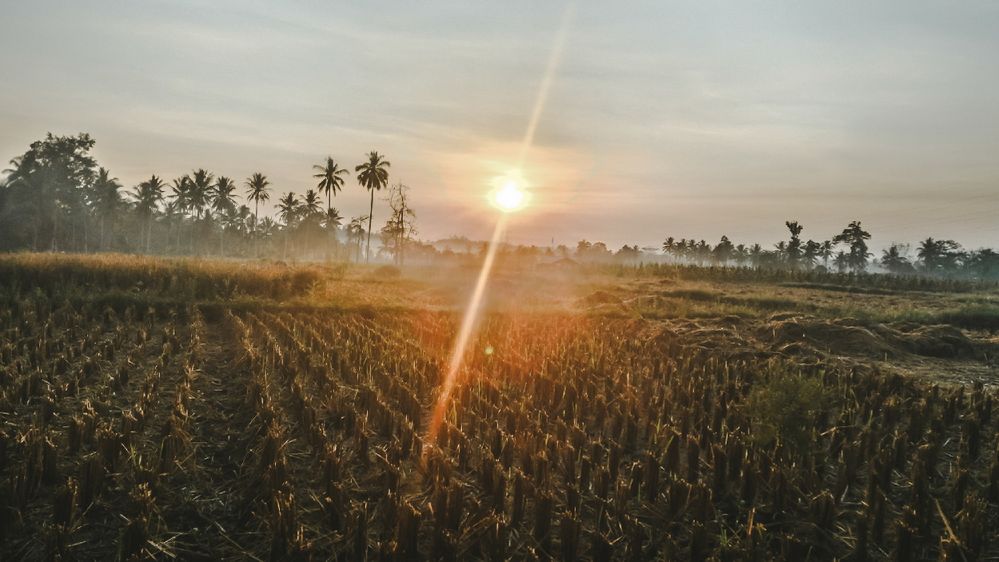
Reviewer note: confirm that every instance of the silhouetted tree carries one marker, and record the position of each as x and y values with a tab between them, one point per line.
939	256
257	190
894	259
856	237
373	176
44	189
330	176
793	249
222	198
288	210
107	201
810	253
147	196
723	250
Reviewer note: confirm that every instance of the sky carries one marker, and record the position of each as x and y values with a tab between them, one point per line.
687	119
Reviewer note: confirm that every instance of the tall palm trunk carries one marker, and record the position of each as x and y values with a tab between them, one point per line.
256	235
149	232
371	211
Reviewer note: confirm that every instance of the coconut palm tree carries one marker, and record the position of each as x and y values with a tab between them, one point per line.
222	198
147	196
310	204
288	209
180	193
256	191
331	222
106	200
199	190
355	233
330	179
373	176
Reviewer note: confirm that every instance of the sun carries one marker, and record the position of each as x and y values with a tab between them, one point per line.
509	197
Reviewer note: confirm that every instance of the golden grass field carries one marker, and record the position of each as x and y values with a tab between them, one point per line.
190	409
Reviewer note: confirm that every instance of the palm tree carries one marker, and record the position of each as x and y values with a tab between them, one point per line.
332	221
288	210
355	233
107	199
310	204
223	201
856	237
373	176
200	190
826	251
147	196
180	192
257	191
330	180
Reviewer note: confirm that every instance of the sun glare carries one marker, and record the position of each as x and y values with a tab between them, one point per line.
510	197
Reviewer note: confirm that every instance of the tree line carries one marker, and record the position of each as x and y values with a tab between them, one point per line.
55	197
847	251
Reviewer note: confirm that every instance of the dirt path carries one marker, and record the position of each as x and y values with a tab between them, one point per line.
201	517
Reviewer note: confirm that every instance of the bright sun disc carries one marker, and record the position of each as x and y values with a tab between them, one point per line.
510	197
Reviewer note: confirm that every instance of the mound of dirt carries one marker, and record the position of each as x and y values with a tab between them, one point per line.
941	340
600	297
797	334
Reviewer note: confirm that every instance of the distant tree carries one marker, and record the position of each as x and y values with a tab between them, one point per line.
939	256
756	255
793	249
44	189
983	263
780	252
400	227
628	253
723	251
856	238
107	201
355	234
741	254
311	205
702	252
373	176
330	176
894	259
669	245
288	209
199	191
257	190
810	253
826	252
180	193
222	198
147	196
841	261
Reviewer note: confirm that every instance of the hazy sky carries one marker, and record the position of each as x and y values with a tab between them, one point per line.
691	119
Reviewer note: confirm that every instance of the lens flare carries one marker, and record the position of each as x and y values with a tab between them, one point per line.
509	197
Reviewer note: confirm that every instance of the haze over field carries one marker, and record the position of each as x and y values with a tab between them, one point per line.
694	119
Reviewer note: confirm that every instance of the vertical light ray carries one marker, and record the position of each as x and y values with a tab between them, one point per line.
465	332
471	313
546	82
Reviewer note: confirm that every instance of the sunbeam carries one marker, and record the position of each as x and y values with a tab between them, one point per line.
508	199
